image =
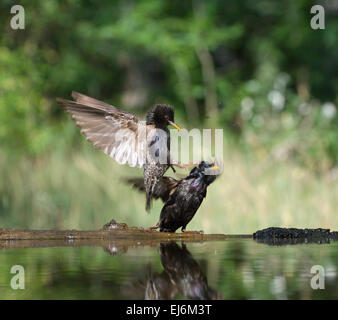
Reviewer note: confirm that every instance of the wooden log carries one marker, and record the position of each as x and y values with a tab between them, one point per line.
127	233
119	235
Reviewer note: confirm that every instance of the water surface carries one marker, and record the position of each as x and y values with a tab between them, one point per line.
227	269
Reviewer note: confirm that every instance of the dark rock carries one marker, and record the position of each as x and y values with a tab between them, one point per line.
284	236
334	235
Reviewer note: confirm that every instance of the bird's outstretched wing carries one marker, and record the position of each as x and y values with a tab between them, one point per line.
163	189
117	133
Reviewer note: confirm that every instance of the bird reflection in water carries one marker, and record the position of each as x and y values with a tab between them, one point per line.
181	275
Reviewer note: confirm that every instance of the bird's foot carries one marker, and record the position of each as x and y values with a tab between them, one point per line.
152	228
189	164
193	232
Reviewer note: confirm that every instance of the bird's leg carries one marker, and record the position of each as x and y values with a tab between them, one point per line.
174	162
180	165
172	167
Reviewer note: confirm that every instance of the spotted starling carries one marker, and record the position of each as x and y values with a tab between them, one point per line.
182	198
124	137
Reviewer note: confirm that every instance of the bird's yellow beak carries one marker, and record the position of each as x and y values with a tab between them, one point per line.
174	125
215	167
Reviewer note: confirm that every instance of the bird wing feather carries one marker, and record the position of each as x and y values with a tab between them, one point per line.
117	133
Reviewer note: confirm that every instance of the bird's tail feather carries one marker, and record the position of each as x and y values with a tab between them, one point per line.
161	190
137	183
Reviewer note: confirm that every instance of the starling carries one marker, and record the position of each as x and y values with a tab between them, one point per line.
124	137
182	198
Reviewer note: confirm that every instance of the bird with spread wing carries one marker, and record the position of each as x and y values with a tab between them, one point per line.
124	137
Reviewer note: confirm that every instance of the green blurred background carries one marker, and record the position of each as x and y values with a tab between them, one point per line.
254	68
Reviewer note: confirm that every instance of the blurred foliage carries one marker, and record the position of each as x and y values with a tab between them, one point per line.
255	68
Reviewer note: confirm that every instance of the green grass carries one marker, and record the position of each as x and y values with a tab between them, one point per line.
84	189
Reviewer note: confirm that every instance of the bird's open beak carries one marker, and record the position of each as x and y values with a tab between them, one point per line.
174	125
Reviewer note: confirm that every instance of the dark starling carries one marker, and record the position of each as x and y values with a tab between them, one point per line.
182	198
124	137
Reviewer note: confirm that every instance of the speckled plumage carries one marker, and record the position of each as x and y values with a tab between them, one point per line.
153	169
152	175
